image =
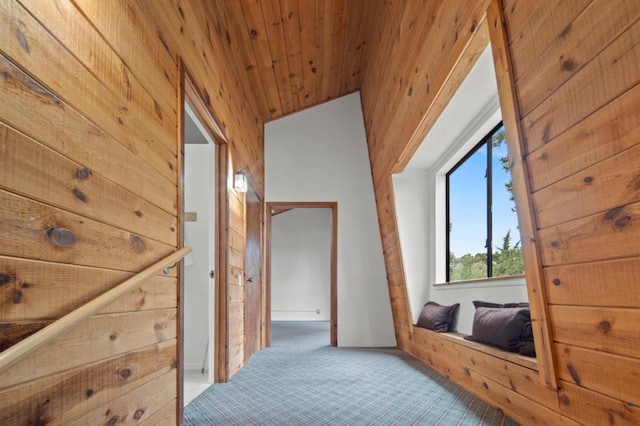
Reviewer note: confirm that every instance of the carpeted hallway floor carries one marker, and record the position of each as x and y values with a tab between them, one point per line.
300	380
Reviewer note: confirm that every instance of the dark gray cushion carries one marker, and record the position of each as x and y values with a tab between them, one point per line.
501	327
482	304
436	317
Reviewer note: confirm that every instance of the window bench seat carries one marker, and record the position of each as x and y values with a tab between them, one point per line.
423	334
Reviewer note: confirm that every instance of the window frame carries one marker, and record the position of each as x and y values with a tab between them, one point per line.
489	202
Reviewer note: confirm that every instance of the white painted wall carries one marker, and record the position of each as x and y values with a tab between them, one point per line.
421	200
301	265
320	154
198	291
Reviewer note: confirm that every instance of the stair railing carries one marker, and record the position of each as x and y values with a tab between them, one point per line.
15	353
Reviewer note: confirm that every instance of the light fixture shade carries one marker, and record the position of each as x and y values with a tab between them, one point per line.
240	181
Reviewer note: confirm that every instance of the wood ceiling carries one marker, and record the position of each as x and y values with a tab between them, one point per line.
298	53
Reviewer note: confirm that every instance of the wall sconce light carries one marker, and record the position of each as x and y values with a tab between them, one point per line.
240	181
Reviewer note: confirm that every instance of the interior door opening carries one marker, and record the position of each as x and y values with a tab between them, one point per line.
200	234
301	262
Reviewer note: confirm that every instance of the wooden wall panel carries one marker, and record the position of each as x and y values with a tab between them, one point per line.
89	182
576	83
66	396
572	71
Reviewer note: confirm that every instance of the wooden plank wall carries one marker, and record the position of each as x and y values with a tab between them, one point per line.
398	93
576	69
575	73
89	184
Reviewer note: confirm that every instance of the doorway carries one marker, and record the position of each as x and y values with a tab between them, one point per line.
253	289
199	266
276	208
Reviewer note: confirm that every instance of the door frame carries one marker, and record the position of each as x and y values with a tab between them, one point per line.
273	206
252	196
189	93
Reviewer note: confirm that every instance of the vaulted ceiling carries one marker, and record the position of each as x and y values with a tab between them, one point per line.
298	53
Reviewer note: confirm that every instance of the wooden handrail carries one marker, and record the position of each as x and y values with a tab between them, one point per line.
15	353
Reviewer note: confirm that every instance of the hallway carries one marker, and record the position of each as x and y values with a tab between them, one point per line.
300	379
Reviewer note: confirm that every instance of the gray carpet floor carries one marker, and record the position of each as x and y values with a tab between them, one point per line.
301	380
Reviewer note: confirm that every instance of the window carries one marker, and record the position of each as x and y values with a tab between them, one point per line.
483	237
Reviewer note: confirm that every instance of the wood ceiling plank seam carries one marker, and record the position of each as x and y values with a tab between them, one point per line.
377	68
323	41
233	58
338	46
257	33
222	103
354	49
389	84
273	24
406	116
291	30
458	73
307	20
234	16
204	47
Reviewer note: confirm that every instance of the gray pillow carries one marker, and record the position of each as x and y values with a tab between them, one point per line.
500	327
481	304
437	318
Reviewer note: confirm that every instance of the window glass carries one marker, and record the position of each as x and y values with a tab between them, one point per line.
483	239
505	236
468	218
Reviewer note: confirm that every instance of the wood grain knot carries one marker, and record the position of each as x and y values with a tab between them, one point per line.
546	134
156	106
604	326
622	222
89	392
467	371
6	278
159	326
564	400
613	213
588	180
569	64
138	414
556	281
17	297
125	373
253	32
60	237
486	386
138	213
82	174
79	195
22	39
113	420
113	337
138	244
574	374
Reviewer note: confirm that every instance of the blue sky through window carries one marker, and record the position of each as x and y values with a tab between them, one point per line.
467	201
